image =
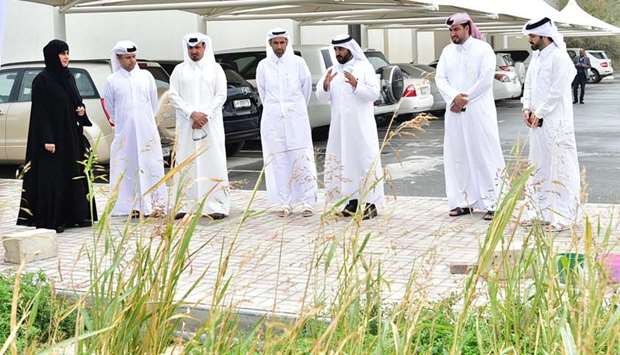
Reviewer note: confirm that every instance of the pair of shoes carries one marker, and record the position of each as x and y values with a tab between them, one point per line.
180	215
370	211
307	211
350	209
216	216
488	216
459	211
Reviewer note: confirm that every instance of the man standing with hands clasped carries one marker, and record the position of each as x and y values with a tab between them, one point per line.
553	188
473	159
352	158
198	93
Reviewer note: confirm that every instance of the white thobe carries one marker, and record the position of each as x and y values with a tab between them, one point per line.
201	87
554	187
473	159
285	85
136	159
352	158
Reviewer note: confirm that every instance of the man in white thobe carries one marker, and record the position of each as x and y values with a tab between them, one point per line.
473	159
352	158
554	187
285	85
198	93
136	159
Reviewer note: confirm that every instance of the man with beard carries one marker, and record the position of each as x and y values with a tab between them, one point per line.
198	93
285	84
352	158
473	159
554	187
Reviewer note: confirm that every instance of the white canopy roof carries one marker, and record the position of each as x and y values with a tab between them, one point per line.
495	16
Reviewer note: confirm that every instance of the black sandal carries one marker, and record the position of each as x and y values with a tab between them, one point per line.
459	211
488	216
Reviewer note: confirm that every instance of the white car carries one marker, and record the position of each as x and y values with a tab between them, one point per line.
601	64
417	96
506	85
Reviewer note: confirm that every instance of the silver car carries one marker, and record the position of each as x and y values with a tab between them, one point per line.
15	102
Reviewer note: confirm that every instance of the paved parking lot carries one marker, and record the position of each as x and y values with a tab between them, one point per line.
416	164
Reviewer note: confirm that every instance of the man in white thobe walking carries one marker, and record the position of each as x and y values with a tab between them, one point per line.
198	93
554	187
352	158
136	159
473	159
285	85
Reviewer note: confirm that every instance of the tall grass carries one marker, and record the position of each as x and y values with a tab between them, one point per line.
505	306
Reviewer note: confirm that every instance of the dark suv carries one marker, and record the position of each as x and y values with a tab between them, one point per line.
241	111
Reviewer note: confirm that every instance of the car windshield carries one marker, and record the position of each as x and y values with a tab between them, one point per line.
412	71
233	78
377	59
162	79
598	55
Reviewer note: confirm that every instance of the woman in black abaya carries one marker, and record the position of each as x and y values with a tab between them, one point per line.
55	189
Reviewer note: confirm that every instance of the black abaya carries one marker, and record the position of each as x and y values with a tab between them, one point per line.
55	189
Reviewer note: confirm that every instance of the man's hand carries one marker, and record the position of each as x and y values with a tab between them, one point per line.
526	117
460	100
350	79
81	111
199	119
50	148
328	80
456	108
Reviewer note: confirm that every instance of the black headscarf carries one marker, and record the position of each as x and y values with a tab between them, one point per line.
61	74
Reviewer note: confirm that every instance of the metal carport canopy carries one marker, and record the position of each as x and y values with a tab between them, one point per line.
429	15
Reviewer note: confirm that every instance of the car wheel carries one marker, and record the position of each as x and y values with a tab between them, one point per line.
595	77
233	148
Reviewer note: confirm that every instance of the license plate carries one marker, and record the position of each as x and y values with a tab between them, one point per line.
245	103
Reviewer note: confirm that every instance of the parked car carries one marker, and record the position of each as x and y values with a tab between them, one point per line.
504	62
600	62
318	59
505	86
241	111
518	57
428	72
417	96
90	76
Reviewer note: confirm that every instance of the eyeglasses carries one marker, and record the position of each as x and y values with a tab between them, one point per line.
200	133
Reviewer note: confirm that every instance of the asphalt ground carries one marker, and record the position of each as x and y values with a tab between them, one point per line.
415	163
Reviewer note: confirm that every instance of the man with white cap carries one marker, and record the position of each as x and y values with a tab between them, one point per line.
554	187
473	159
285	85
352	158
198	93
136	159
